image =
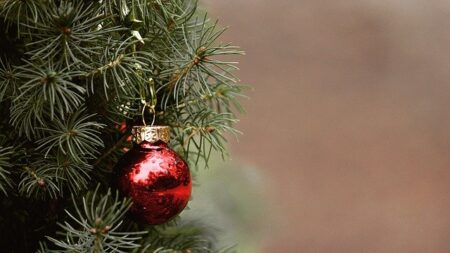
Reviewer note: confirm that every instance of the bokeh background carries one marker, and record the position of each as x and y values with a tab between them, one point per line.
346	144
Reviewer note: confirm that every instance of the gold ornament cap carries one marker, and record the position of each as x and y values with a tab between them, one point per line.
151	134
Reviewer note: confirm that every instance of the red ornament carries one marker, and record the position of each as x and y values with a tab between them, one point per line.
154	177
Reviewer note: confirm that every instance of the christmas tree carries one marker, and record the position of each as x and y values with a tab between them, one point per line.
75	78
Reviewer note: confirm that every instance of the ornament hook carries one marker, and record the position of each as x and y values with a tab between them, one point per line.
151	105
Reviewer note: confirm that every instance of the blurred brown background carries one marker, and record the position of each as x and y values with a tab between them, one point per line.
349	121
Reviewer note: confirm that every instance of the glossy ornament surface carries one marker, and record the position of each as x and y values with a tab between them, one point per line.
156	179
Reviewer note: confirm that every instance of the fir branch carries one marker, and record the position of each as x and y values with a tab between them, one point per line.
20	12
202	132
194	238
122	72
110	65
77	137
69	174
43	90
70	33
51	177
38	181
164	16
5	181
191	65
112	149
8	80
223	97
95	226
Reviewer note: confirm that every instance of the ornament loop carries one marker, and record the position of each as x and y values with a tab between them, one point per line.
152	111
151	134
151	105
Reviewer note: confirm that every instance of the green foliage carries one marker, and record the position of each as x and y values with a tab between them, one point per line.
95	226
69	33
115	68
76	137
189	64
5	181
52	176
38	180
7	80
193	238
75	76
43	92
20	12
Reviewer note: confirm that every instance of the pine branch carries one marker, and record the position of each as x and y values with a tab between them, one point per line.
198	133
115	147
159	17
38	181
110	65
70	175
121	72
70	33
192	237
77	137
8	80
44	91
21	12
5	165
192	69
95	226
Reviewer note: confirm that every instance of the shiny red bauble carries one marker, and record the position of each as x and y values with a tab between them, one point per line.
156	179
